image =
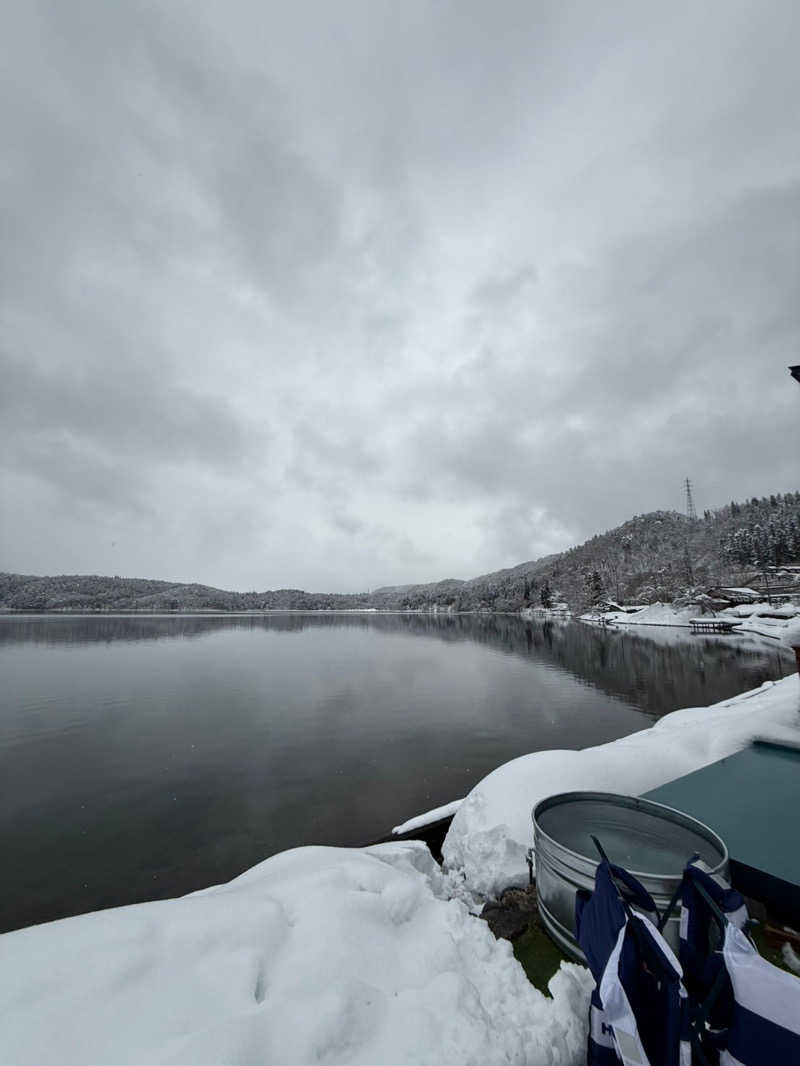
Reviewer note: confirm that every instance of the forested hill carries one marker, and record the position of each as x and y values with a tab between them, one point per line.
655	556
81	592
652	556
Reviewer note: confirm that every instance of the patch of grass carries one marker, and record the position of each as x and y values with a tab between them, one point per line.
538	956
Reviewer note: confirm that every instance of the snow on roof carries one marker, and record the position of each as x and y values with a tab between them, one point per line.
317	954
738	591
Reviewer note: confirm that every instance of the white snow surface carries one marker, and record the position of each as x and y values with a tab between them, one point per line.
318	955
778	622
492	829
656	614
421	820
761	618
785	611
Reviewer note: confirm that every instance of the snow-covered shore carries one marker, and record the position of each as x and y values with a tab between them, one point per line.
656	614
759	617
350	956
317	955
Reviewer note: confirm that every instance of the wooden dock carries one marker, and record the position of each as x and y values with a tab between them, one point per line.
712	625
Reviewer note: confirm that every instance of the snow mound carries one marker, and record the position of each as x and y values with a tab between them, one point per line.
317	954
656	614
755	610
765	620
492	829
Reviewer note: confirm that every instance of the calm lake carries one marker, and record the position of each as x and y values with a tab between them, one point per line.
149	756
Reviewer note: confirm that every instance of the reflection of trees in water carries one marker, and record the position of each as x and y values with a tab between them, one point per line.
499	631
657	671
660	675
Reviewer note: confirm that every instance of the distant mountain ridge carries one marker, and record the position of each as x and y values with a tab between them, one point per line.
652	556
97	593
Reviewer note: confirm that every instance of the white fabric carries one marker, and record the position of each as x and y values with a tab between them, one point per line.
599	1029
618	1011
759	986
726	1059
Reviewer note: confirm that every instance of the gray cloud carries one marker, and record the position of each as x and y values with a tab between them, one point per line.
338	297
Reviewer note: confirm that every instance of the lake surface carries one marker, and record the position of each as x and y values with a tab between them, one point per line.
149	756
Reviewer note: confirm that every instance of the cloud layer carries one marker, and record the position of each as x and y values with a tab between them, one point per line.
334	297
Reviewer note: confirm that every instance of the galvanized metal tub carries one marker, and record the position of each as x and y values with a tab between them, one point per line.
651	841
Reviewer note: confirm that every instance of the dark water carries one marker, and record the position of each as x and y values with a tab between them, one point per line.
143	757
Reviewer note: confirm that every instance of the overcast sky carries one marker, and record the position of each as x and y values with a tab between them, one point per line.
345	294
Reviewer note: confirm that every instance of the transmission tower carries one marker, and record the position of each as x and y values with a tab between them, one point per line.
690	511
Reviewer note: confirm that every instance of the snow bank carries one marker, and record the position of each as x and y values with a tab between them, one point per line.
760	618
656	614
753	610
764	619
492	828
317	954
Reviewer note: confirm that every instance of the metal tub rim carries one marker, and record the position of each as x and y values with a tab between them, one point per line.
619	799
561	871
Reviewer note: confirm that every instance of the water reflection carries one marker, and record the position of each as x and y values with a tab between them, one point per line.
147	756
657	668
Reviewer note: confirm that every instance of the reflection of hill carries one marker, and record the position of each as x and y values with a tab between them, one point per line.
657	670
660	674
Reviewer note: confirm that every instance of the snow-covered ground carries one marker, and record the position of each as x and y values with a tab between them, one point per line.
656	614
344	955
492	829
318	955
760	617
763	619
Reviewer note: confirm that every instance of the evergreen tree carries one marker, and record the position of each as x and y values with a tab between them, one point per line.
594	587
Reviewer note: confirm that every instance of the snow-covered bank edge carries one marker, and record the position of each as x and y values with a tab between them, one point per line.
492	830
420	821
656	614
761	618
351	956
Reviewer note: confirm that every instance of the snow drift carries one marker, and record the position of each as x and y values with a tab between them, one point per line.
316	955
